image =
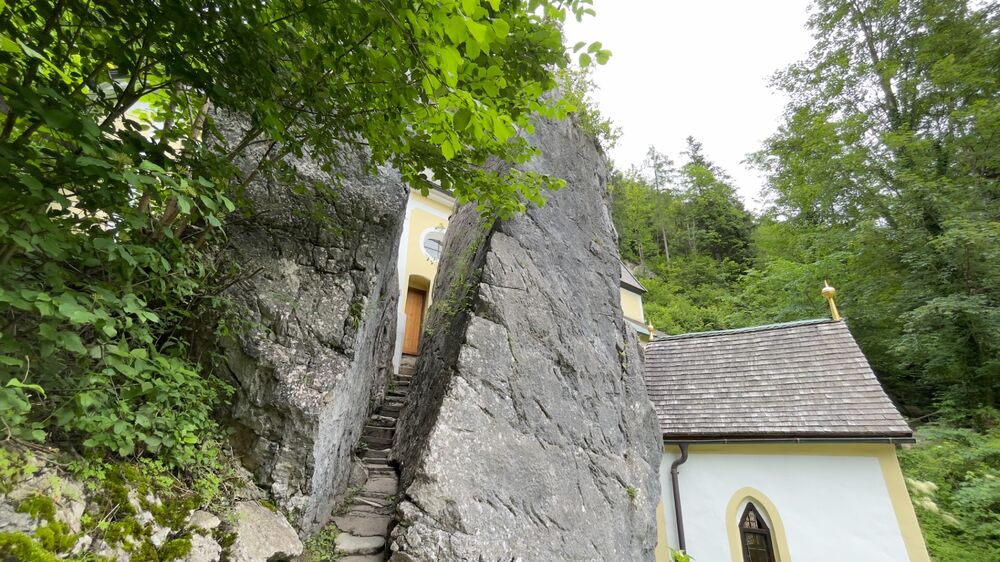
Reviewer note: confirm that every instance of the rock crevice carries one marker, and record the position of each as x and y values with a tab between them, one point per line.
318	320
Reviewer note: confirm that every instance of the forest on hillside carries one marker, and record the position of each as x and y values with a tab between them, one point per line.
884	179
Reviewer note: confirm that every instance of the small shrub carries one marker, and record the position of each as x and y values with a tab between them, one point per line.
322	546
15	466
953	475
680	556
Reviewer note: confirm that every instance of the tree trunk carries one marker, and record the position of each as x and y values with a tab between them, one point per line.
666	247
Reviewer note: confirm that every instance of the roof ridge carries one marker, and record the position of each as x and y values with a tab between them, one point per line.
749	329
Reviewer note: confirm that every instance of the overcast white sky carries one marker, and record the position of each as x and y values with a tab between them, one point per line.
695	67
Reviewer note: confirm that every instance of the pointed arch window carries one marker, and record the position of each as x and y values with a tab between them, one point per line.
755	536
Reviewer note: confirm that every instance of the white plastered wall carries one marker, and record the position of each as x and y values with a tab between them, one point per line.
832	507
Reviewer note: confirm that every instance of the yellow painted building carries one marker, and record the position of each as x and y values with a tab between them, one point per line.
420	248
631	291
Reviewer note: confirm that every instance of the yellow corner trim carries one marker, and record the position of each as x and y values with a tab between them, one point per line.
777	527
662	547
913	539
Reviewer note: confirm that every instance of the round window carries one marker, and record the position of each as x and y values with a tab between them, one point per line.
433	243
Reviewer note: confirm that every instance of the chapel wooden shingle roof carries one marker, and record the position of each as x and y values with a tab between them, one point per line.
630	281
797	380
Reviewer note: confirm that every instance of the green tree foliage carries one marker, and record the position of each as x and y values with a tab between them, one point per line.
576	85
954	479
111	187
633	210
717	222
888	153
690	235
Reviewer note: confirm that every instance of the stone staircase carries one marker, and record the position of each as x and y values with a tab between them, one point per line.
366	521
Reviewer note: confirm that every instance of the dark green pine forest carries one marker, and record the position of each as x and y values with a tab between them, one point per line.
883	177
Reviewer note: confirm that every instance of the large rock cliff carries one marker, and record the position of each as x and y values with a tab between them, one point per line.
529	435
318	293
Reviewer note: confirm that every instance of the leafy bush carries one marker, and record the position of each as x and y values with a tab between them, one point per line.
954	480
97	302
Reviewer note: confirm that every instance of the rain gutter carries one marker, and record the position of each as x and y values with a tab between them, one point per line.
796	440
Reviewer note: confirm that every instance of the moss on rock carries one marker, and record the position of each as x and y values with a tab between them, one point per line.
175	549
21	547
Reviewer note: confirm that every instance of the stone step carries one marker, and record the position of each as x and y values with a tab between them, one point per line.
377	501
382	421
396	396
382	467
379	443
376	459
380	557
388	485
375	453
363	510
361	524
388	473
376	432
348	544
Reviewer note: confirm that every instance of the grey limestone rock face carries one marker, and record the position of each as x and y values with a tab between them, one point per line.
203	549
529	435
318	296
67	496
11	521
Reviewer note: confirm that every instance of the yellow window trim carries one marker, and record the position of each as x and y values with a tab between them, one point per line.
763	504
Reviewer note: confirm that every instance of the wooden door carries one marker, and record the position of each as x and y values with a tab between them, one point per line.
414	309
